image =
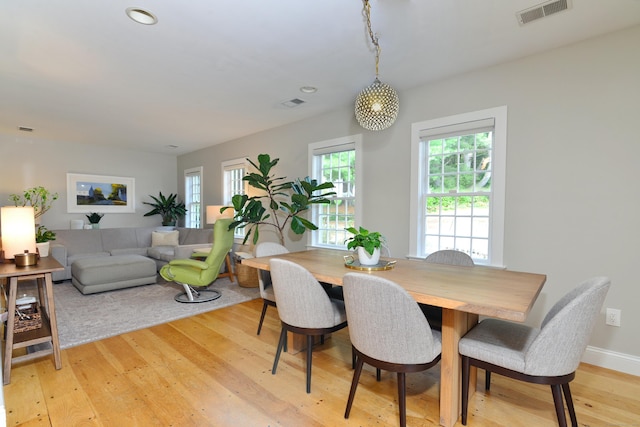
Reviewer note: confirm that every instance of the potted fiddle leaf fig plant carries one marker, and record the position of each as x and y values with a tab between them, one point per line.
285	202
169	208
368	244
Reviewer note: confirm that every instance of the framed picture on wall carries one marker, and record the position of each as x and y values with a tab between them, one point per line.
100	193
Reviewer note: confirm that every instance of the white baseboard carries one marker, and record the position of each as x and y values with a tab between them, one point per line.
612	360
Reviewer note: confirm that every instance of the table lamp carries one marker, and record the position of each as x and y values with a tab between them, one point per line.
213	213
18	232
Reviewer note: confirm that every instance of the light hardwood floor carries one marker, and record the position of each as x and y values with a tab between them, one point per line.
212	370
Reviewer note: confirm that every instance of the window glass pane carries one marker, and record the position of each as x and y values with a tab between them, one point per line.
458	172
338	167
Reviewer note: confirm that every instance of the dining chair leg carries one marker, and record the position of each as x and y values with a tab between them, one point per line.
402	398
569	400
353	357
466	371
283	339
487	380
309	350
264	312
378	374
354	385
557	400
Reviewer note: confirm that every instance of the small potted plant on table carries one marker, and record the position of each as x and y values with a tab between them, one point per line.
368	244
94	219
43	236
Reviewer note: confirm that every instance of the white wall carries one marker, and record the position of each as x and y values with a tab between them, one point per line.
26	163
572	162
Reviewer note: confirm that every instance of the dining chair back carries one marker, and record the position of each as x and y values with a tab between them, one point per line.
549	355
304	307
388	331
449	257
264	277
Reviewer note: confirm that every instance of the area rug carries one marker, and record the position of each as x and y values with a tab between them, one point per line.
87	318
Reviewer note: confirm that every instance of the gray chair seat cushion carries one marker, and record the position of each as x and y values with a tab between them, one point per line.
498	342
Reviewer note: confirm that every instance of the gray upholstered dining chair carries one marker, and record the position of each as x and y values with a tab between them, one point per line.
264	277
304	307
450	257
549	355
388	331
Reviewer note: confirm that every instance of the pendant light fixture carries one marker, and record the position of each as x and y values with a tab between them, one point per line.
377	105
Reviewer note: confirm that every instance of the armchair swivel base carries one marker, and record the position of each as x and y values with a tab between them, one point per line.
192	294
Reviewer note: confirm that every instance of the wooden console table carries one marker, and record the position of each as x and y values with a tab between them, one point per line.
48	332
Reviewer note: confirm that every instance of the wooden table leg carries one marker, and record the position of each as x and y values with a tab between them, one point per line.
454	325
11	313
53	321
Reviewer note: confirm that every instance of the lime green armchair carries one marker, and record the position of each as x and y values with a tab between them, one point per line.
193	274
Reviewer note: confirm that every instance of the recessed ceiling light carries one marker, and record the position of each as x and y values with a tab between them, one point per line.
141	16
308	89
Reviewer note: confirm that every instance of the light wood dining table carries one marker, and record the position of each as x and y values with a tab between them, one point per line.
464	293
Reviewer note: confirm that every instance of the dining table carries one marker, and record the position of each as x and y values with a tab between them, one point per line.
463	293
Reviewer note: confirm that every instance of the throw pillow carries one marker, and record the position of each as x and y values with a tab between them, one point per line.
165	238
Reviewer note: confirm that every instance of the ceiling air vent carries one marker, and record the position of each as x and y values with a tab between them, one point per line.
542	10
292	103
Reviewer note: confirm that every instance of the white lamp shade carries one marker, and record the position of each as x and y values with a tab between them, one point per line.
18	230
213	213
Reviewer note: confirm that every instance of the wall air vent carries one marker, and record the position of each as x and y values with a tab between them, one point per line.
542	10
25	129
292	103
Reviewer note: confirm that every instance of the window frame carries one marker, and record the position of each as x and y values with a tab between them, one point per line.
498	178
188	174
227	166
315	149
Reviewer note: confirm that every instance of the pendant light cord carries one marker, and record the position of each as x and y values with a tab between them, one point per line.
374	37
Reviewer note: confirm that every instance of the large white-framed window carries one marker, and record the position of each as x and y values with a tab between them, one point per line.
193	197
232	173
458	185
339	161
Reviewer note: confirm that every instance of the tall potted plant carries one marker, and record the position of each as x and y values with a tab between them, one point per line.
286	201
169	208
367	243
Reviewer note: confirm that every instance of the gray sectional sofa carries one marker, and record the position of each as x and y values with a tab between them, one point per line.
134	245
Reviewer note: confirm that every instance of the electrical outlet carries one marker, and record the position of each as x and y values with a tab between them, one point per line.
613	317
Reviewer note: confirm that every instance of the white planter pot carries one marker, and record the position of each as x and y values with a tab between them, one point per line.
43	248
366	259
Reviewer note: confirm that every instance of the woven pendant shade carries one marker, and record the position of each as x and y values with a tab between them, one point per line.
377	106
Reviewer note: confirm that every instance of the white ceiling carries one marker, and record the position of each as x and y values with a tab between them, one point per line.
214	70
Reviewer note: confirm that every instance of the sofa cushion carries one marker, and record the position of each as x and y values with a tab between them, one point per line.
164	238
129	251
80	241
164	253
190	236
72	258
118	238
